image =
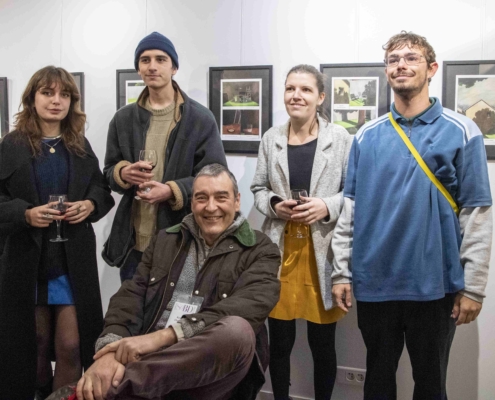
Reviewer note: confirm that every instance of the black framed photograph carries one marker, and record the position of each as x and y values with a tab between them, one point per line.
355	94
469	89
129	87
79	78
4	107
241	101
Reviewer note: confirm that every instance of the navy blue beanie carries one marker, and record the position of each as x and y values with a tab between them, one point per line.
156	41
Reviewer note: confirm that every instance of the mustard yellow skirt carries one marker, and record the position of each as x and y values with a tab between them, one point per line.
300	295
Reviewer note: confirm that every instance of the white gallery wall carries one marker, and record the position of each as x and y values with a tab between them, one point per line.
98	37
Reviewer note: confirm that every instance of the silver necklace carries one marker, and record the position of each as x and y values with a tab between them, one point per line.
52	148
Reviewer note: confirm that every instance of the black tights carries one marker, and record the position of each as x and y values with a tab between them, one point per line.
321	339
57	326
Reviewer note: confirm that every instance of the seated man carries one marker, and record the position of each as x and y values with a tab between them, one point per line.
218	352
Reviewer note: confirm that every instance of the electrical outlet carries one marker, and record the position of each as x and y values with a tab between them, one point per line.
351	376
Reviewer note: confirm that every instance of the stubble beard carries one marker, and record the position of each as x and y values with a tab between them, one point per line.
408	91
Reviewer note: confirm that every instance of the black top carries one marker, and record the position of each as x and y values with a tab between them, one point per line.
51	171
301	159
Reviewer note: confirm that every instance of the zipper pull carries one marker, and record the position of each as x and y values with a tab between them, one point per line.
410	129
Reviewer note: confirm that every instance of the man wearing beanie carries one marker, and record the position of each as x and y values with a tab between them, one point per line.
185	137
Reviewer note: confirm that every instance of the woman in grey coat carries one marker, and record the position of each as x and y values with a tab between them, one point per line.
307	153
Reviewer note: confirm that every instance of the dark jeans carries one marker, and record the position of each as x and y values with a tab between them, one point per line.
128	269
206	366
321	339
427	330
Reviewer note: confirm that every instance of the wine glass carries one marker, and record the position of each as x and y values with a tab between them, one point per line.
150	157
301	229
58	202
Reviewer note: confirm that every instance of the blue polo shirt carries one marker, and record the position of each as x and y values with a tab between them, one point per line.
406	235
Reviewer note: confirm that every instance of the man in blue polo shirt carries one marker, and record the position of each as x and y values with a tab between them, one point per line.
417	268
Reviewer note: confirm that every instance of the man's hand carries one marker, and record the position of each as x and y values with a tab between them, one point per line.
465	310
132	348
283	209
136	173
342	296
312	210
95	383
158	192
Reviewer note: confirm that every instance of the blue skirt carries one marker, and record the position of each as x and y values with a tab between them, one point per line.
59	292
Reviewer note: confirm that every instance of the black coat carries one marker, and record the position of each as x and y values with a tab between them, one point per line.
193	143
20	250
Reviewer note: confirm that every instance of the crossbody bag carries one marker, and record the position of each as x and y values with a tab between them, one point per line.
423	165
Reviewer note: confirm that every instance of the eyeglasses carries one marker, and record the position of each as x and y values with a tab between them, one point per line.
409	59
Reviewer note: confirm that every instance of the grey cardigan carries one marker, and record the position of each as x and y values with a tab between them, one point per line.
327	182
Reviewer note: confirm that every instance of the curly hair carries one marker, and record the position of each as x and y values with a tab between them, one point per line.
410	39
71	127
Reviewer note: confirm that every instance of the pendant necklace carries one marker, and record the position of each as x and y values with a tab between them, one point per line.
52	148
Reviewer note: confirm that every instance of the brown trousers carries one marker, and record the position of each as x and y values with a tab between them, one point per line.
206	366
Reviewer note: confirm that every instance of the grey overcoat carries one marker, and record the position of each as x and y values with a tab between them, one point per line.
327	182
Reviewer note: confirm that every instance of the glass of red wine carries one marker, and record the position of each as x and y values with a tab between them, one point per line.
301	230
58	202
148	156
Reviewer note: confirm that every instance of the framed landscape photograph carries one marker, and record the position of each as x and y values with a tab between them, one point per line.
4	107
241	101
355	94
79	78
469	89
129	87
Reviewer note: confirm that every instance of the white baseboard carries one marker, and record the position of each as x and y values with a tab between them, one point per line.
263	395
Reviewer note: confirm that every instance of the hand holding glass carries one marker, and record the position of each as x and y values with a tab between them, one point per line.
148	156
301	229
58	202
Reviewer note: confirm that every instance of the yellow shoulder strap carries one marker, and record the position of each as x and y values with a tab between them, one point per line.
422	164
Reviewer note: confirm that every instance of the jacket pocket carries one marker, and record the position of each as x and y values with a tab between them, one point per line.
156	280
224	289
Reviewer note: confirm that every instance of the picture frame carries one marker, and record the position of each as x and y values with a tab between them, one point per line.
355	93
129	87
79	78
4	107
240	98
469	89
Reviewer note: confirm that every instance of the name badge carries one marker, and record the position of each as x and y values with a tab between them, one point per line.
185	304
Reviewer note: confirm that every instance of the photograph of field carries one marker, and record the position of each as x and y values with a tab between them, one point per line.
475	98
355	92
240	93
352	120
132	91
